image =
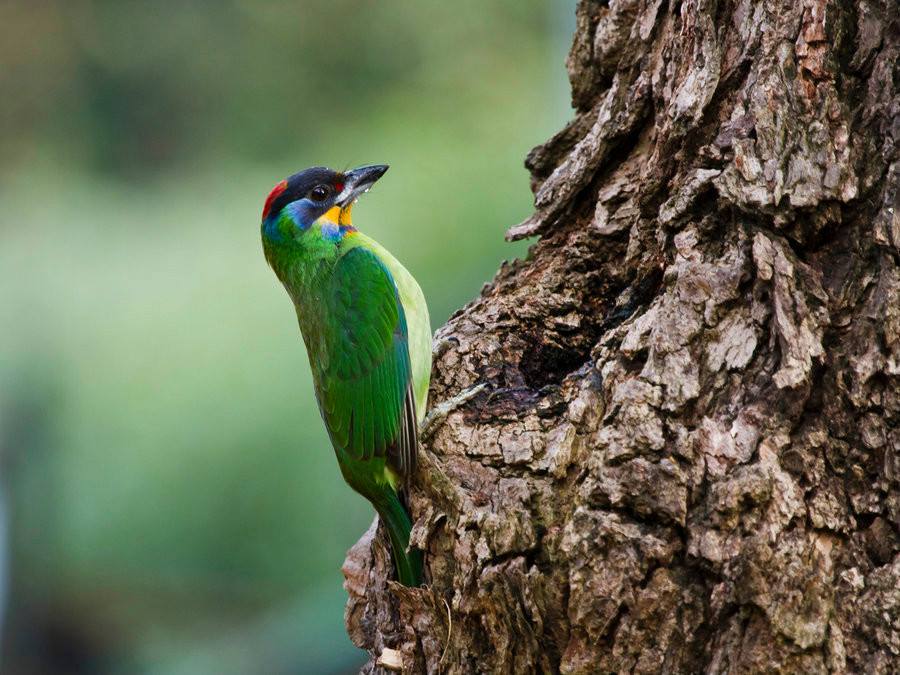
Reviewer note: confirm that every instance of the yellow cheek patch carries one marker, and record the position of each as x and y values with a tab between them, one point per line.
345	215
332	215
338	215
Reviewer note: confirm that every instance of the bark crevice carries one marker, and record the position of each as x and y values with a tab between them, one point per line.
687	455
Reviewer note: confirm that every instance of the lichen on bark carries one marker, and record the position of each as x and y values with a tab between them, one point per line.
687	456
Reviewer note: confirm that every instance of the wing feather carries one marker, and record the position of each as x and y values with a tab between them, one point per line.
364	380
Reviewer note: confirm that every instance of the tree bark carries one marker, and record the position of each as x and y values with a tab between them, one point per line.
687	458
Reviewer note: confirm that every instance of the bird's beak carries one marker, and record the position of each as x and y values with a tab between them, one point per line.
359	181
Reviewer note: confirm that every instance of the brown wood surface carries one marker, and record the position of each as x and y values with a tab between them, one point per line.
687	457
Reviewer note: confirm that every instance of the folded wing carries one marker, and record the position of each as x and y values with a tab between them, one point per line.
363	378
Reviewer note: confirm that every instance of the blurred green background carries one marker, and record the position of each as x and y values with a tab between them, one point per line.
169	502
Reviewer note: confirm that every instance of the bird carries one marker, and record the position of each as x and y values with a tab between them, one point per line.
364	321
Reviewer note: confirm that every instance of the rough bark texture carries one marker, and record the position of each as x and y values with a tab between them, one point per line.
687	458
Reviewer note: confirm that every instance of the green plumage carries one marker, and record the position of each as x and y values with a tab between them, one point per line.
365	324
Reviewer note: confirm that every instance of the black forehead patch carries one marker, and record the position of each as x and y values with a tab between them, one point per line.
299	185
306	180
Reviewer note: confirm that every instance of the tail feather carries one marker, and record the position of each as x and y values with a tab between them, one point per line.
398	524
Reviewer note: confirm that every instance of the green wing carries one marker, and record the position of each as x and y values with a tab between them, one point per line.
363	380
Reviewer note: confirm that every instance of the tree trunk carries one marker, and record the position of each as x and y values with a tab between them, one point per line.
687	457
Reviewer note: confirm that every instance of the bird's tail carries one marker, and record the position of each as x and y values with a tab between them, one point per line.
398	524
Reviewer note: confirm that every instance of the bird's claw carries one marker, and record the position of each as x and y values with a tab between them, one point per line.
441	411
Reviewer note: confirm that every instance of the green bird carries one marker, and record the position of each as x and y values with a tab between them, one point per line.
365	324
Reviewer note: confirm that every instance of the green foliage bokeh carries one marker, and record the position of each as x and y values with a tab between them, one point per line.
171	489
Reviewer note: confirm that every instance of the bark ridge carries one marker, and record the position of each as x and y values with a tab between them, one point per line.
687	457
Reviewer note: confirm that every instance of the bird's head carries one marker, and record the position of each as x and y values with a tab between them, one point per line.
315	196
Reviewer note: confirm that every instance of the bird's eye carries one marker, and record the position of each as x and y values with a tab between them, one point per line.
319	193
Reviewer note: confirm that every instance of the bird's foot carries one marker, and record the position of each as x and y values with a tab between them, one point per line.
439	413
